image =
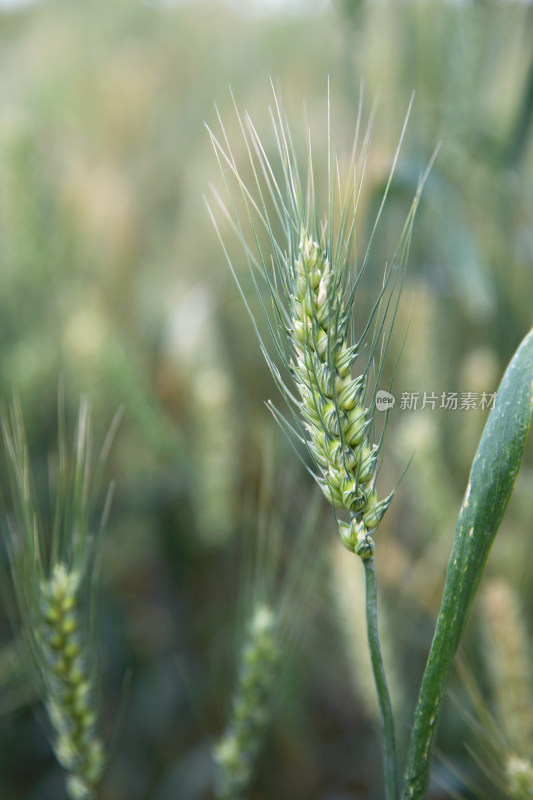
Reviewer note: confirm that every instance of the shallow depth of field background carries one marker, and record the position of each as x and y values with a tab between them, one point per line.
112	279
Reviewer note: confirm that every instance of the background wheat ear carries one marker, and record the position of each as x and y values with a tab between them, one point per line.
281	564
236	752
503	717
52	596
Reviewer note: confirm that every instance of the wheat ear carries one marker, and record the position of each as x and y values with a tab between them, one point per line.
336	420
52	595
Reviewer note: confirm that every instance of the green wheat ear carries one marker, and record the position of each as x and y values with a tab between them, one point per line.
305	266
337	422
52	595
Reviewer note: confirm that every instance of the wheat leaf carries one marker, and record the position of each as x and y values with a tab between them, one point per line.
489	489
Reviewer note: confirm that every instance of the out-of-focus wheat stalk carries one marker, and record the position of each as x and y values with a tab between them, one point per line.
508	657
509	662
280	572
237	750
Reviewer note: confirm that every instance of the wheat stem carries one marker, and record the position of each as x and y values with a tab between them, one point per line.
385	708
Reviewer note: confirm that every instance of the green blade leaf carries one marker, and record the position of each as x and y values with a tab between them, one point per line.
492	478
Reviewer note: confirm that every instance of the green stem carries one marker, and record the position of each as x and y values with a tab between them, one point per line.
385	708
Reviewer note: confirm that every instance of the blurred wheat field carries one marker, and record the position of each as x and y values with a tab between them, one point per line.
113	281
